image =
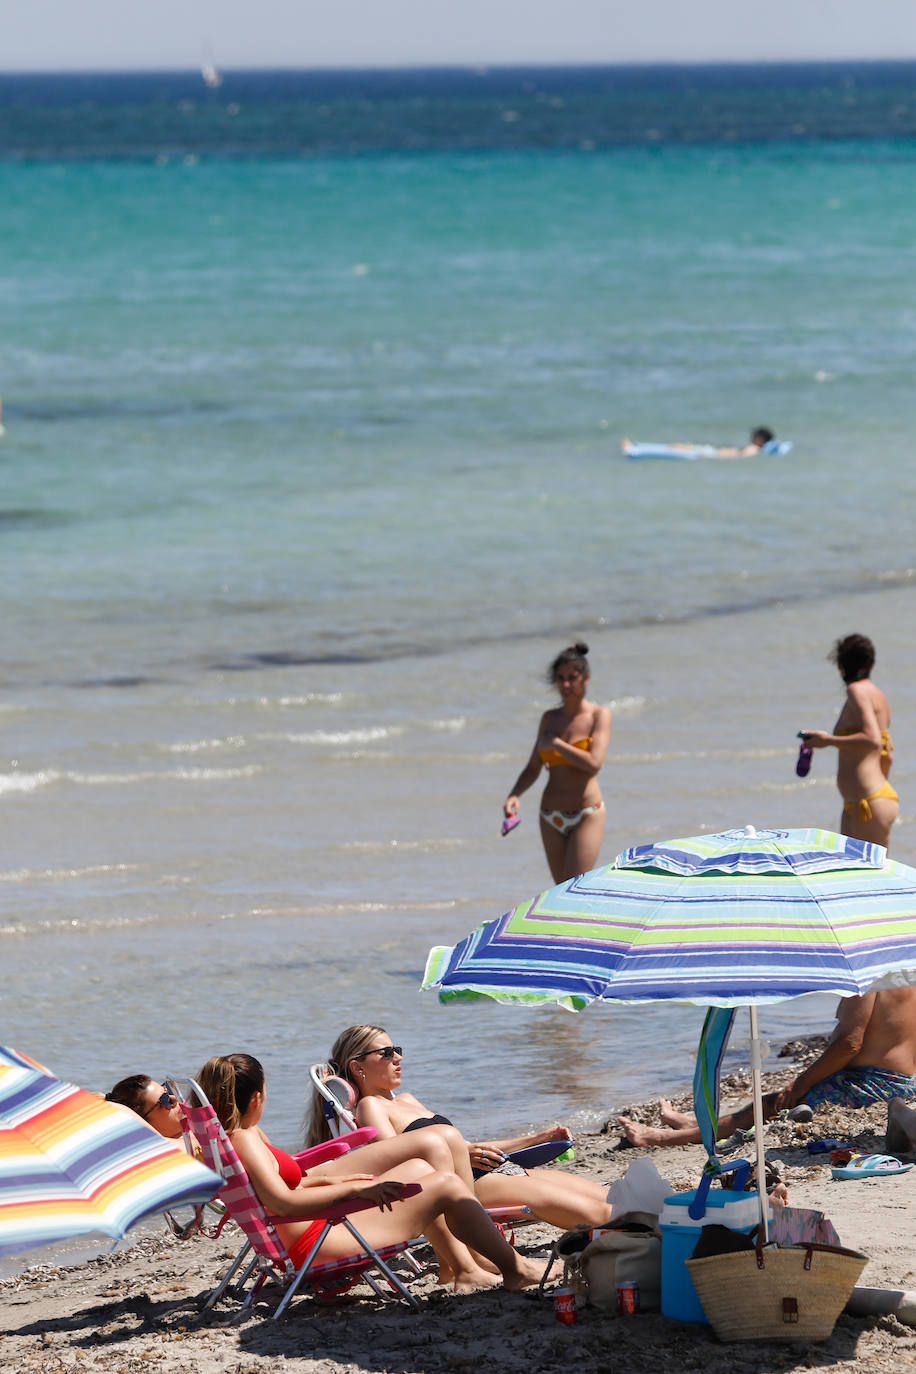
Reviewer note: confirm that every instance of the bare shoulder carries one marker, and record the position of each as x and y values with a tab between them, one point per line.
896	998
249	1145
370	1110
869	700
866	694
860	691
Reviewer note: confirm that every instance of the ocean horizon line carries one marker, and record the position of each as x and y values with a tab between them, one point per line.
264	112
477	70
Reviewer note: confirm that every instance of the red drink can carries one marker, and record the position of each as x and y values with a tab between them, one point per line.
564	1305
627	1299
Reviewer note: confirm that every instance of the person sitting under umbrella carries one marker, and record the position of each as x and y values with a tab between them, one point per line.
365	1056
869	1058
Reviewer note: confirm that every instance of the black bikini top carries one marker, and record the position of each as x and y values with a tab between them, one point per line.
422	1121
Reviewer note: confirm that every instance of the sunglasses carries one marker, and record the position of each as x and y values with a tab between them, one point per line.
386	1051
164	1100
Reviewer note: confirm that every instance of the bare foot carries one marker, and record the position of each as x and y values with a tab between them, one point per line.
469	1279
638	1134
671	1116
901	1127
779	1194
529	1274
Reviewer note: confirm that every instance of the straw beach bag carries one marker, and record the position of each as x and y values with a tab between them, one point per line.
793	1294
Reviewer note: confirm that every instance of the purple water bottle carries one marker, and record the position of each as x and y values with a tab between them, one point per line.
804	756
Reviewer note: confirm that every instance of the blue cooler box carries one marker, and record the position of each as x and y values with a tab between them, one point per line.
680	1233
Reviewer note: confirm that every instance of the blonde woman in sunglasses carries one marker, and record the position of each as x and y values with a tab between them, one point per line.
366	1057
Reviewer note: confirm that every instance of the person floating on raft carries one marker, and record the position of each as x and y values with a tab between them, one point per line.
762	440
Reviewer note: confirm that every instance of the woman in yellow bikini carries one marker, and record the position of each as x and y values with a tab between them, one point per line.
862	739
571	743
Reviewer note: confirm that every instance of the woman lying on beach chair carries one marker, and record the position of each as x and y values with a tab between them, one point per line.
149	1099
445	1210
365	1057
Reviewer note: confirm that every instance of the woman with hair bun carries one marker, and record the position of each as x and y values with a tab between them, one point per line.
862	740
571	743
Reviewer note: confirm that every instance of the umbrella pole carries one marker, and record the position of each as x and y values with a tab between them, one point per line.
757	1083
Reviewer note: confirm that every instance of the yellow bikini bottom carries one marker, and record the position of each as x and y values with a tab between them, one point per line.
885	793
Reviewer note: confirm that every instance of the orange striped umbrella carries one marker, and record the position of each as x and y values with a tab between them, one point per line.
72	1163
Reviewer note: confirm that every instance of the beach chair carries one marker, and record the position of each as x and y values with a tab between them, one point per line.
338	1101
269	1260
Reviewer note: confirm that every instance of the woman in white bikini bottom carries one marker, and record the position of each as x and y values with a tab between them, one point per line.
564	821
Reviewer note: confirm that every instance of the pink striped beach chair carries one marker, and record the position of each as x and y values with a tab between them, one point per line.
269	1260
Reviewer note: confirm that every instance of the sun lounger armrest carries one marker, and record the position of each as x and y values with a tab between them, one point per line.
362	1136
343	1209
333	1149
318	1154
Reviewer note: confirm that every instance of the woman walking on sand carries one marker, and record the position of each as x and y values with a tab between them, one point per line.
571	743
864	748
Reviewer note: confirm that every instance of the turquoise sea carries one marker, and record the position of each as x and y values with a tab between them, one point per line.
314	387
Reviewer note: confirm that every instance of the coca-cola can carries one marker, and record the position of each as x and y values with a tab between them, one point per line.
564	1305
627	1299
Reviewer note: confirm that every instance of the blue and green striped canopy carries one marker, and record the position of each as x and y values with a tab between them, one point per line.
732	919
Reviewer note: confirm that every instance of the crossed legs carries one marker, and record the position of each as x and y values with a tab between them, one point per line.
455	1223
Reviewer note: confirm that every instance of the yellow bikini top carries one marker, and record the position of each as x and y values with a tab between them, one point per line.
886	745
554	759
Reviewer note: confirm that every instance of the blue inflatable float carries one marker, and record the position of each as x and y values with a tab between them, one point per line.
775	448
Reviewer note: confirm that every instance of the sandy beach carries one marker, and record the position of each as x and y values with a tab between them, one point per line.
140	1308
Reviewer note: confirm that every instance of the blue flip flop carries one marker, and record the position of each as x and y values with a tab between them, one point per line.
870	1166
825	1147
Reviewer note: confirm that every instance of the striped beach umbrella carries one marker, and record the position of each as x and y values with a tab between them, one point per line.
72	1164
740	918
734	919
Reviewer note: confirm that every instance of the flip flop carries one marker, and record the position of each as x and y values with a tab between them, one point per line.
870	1166
825	1147
736	1139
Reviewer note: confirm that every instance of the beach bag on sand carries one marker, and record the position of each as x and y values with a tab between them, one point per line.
793	1294
631	1254
596	1261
